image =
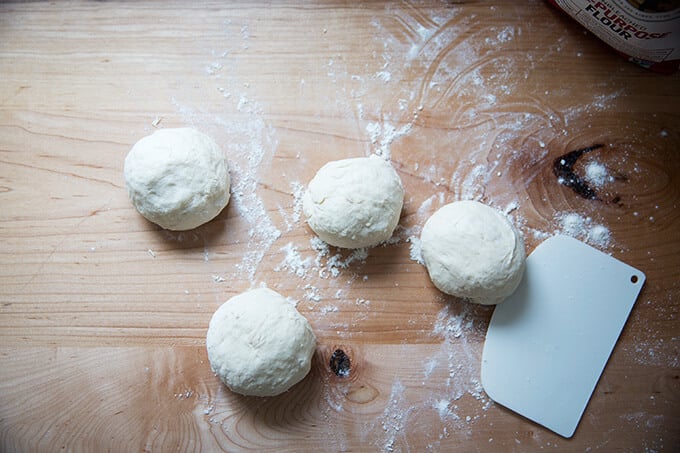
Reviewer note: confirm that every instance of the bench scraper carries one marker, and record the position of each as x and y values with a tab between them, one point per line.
548	343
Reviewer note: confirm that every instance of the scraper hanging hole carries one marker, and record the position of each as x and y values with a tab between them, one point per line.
634	279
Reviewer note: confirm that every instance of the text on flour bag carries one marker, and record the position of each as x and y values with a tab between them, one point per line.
646	32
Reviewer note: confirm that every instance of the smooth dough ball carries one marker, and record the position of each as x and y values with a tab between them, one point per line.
259	344
472	251
177	178
354	203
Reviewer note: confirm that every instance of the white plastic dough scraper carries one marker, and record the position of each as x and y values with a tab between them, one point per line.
548	343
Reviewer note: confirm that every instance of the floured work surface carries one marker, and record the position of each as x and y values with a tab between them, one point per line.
103	316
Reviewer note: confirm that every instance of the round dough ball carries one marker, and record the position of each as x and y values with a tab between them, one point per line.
472	251
354	203
177	178
259	344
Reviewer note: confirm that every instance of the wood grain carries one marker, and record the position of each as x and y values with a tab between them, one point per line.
103	315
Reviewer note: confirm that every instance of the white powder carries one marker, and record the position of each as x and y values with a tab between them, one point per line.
328	309
506	34
263	233
449	325
460	352
383	134
573	224
649	347
213	68
394	418
312	293
425	208
596	174
599	235
584	229
298	192
294	262
415	250
317	262
291	221
328	264
446	410
385	76
472	186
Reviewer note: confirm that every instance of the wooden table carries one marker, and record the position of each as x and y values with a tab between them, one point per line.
103	315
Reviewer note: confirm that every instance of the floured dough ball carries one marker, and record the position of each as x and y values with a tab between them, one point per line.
177	178
472	251
259	344
354	203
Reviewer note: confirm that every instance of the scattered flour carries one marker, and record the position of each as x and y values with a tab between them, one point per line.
294	262
425	208
329	264
394	418
329	309
447	411
383	134
597	175
385	76
583	228
415	250
463	361
291	221
316	262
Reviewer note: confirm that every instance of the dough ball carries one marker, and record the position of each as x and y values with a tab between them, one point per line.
354	203
177	178
259	344
472	251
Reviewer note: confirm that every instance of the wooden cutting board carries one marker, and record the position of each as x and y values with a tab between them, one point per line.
103	315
